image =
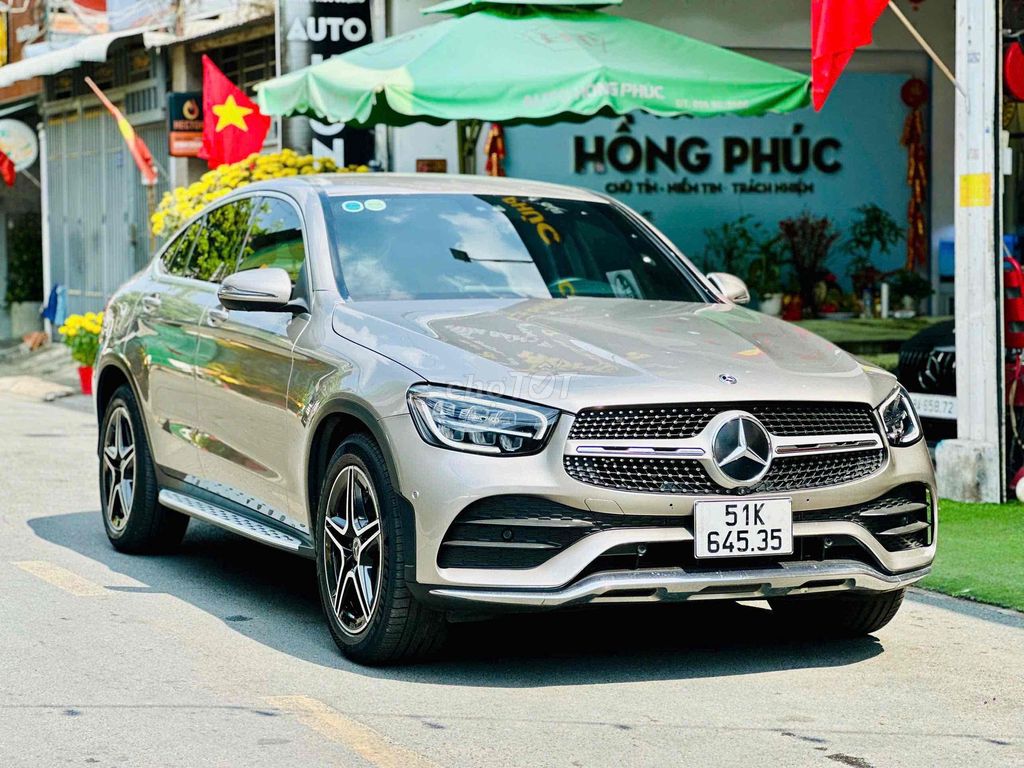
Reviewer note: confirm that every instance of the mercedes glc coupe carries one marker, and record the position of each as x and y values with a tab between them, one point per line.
462	395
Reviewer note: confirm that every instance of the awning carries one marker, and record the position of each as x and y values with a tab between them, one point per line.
50	61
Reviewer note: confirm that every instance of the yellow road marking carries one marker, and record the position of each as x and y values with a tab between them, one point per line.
361	739
61	578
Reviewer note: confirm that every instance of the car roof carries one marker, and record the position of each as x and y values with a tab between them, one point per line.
340	184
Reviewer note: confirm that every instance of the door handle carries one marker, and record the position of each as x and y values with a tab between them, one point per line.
217	317
151	303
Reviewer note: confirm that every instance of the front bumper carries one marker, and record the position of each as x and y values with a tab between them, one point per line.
440	484
675	584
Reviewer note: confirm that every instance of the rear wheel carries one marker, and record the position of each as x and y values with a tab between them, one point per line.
360	541
842	615
133	518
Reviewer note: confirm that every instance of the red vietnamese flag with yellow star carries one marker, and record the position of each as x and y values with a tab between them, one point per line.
233	126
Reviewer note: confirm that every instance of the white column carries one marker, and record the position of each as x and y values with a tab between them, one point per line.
44	217
970	468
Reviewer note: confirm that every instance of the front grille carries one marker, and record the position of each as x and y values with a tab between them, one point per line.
653	475
675	422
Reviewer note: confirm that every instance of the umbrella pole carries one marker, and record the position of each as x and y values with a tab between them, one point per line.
469	135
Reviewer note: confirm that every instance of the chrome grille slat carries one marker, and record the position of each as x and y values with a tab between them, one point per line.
673	422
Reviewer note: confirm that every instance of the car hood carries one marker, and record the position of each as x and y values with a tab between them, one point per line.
579	352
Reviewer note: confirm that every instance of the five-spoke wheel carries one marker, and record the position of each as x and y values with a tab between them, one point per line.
118	468
352	549
364	550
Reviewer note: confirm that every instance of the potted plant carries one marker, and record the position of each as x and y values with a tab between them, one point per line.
910	289
808	241
729	246
82	335
24	274
873	231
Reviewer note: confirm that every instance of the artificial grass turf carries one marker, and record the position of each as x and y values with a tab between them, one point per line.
981	553
876	330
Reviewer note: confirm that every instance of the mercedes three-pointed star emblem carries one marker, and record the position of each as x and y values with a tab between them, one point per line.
741	450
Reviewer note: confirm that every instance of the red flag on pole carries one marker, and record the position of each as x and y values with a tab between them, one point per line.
233	126
7	171
136	146
838	28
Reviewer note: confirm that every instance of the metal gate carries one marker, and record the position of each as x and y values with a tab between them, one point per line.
98	215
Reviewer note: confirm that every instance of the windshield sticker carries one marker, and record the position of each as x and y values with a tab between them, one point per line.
566	288
547	233
624	284
352	206
375	205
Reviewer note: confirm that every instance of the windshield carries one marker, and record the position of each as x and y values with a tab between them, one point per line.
488	246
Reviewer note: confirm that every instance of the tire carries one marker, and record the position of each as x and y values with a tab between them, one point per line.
367	559
134	520
843	615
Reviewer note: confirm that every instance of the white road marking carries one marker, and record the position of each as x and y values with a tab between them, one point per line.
361	739
61	578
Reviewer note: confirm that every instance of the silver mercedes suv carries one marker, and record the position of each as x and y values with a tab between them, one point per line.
462	395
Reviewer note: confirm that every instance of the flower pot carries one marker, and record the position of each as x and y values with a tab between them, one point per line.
85	378
771	304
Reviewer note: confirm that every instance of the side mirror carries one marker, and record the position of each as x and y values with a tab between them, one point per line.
257	290
731	287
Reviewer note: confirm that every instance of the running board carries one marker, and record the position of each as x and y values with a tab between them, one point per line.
231	521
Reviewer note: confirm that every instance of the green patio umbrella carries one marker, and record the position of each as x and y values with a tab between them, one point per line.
540	62
536	62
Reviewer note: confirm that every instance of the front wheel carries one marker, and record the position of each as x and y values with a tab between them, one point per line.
134	519
360	540
844	615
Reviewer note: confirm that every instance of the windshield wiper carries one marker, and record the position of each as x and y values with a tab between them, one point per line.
463	256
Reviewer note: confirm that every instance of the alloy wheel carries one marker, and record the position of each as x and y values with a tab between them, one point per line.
119	468
353	552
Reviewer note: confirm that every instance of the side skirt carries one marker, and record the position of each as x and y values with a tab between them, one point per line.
237	519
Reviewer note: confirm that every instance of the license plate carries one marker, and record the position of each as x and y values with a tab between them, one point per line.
934	406
743	528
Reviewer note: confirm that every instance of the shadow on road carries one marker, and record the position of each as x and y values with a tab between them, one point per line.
271	597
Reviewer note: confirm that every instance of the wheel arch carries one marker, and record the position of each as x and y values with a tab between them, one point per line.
336	420
113	373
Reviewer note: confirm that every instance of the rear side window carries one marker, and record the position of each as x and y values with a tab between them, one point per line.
179	253
219	244
275	238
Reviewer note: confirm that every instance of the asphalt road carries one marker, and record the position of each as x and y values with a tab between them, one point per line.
218	656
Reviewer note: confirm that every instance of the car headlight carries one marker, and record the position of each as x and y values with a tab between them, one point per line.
479	423
900	420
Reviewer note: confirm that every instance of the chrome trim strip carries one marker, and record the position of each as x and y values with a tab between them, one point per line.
500	544
641	450
529	522
822	444
699	447
902	530
676	584
900	509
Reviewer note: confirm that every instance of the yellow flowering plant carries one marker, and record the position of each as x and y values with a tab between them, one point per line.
181	204
82	334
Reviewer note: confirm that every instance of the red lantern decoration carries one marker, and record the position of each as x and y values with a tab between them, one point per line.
1013	70
915	95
